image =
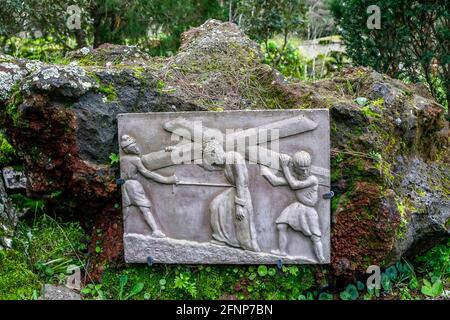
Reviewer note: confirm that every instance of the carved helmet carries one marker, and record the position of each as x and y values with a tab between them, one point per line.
126	140
302	159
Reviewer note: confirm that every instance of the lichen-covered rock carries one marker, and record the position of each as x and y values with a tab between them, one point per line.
14	179
108	55
390	154
12	72
8	218
51	292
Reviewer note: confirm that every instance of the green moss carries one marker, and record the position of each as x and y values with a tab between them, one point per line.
89	60
404	207
384	168
138	73
369	112
17	280
109	92
12	108
217	109
7	151
335	202
378	103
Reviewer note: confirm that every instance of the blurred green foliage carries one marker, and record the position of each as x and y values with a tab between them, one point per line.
293	64
155	25
264	19
43	49
412	43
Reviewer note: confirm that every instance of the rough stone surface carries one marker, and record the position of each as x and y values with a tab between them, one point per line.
51	292
14	179
8	218
396	138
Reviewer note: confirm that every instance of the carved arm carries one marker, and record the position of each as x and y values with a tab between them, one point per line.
273	178
297	184
155	176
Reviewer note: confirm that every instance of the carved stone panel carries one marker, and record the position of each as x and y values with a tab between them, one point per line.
236	187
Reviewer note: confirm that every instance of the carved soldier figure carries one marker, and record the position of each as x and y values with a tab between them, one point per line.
133	192
302	215
232	210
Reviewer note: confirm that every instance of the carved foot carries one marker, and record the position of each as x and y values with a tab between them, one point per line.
158	234
278	252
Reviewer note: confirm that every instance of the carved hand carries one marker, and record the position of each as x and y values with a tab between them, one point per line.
285	159
240	213
265	171
173	180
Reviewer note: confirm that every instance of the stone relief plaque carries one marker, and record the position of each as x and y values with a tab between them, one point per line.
235	187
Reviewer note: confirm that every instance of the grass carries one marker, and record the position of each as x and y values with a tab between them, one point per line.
44	247
209	282
42	250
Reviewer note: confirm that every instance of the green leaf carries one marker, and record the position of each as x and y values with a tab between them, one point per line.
86	291
438	288
361	101
114	159
272	272
162	282
49	271
391	272
137	288
262	271
432	290
344	295
325	296
123	280
293	270
352	291
360	286
385	282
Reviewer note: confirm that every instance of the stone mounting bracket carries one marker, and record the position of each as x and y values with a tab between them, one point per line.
279	264
328	195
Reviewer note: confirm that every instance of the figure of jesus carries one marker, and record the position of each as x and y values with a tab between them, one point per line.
232	210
